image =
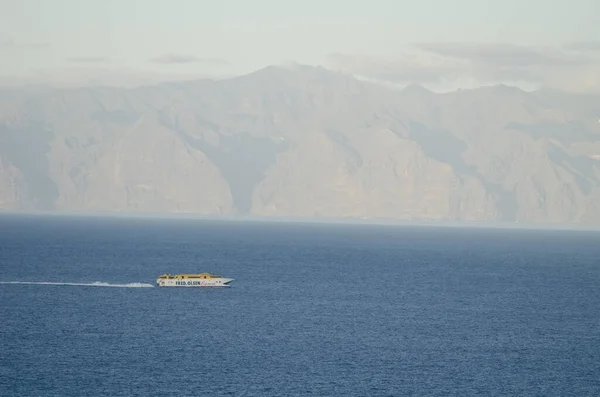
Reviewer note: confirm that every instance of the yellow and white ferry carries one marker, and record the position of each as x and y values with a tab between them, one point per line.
192	280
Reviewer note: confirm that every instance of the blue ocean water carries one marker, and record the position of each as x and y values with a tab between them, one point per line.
333	310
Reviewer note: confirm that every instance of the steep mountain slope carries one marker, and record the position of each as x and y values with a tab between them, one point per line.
304	141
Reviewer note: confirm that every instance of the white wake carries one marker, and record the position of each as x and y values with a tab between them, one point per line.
94	284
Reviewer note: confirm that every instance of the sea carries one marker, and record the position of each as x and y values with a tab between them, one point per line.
314	309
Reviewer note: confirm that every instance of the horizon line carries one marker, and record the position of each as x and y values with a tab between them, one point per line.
351	221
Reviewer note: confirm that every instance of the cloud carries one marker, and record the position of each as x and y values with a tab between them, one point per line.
407	68
87	60
502	55
10	44
572	67
184	58
591	46
72	76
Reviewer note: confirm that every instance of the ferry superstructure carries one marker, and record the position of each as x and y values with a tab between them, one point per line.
192	280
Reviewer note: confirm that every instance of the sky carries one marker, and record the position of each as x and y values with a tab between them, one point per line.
441	44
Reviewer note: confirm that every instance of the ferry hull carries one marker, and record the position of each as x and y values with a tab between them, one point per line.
213	282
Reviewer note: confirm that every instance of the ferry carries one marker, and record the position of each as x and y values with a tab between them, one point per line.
192	280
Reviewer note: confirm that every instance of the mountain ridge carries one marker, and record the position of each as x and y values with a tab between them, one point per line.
306	142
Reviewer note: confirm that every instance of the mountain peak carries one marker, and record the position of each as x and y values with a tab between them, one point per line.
291	69
291	74
416	89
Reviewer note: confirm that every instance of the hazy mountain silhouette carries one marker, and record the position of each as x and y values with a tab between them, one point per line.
304	141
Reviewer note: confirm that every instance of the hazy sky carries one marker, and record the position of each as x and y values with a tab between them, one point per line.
450	43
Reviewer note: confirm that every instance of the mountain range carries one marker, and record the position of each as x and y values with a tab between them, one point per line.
304	142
